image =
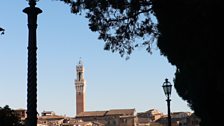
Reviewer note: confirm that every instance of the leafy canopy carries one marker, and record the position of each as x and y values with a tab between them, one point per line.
120	23
9	117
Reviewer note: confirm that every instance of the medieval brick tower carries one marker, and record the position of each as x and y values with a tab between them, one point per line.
80	85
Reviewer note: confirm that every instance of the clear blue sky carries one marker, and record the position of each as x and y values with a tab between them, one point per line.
62	37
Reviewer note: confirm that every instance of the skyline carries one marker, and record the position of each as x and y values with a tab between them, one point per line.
62	38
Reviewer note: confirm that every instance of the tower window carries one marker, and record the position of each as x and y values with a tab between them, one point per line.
79	76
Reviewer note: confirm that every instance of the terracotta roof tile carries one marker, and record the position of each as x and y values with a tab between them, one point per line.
121	112
91	113
51	117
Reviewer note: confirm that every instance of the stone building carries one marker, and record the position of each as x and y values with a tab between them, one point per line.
49	118
148	118
180	119
21	113
113	117
193	120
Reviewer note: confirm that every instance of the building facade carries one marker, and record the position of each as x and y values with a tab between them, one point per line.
113	117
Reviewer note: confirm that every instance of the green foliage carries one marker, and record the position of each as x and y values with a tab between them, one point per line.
120	23
8	117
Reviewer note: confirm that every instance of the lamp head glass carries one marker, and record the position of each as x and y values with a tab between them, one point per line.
167	87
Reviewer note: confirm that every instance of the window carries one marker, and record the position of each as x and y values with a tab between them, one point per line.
114	122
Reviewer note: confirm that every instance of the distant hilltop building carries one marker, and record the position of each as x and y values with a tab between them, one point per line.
21	113
113	117
80	86
149	116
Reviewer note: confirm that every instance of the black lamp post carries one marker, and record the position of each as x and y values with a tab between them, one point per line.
32	13
167	87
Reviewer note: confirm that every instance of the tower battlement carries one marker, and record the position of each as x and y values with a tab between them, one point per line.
80	68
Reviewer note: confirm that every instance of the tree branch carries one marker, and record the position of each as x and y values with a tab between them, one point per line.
2	30
126	17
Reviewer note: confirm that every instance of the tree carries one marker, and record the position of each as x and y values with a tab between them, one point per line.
188	33
190	39
8	117
119	22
